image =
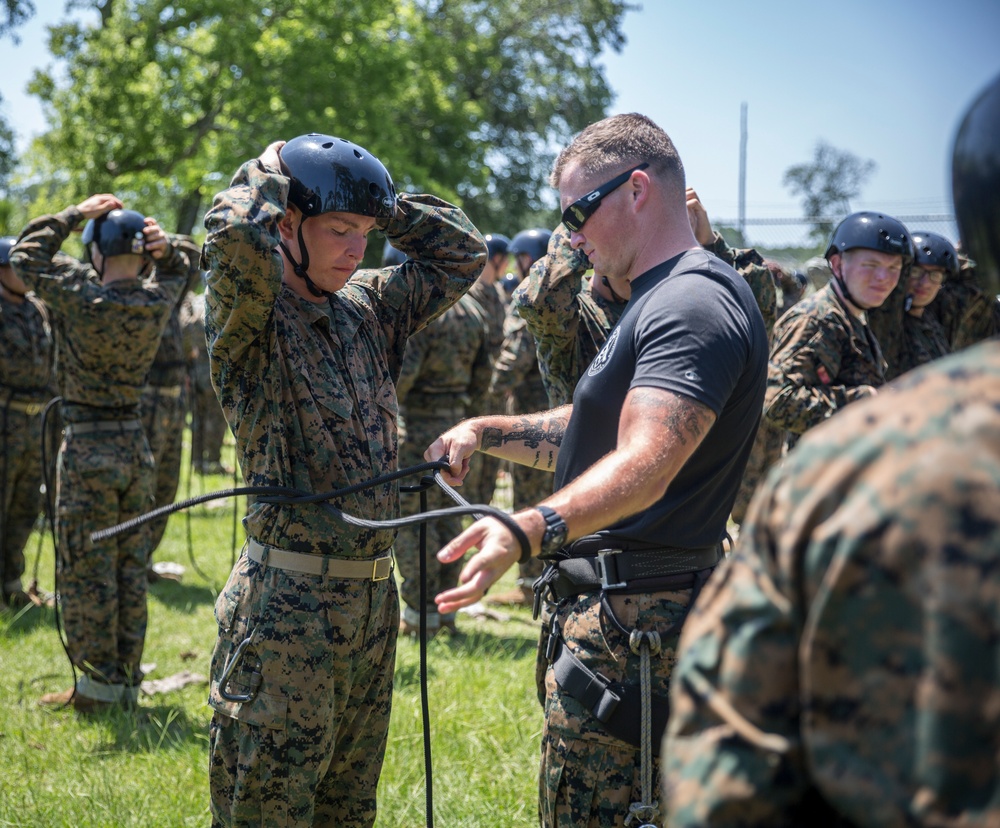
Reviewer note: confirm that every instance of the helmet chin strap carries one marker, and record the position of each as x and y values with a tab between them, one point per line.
301	268
847	293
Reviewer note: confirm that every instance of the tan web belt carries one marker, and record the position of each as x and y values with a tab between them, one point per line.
30	408
102	426
373	569
173	391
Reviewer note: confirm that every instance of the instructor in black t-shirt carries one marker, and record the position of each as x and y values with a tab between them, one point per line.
648	459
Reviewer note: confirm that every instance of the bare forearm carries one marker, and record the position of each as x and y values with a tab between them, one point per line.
528	439
660	433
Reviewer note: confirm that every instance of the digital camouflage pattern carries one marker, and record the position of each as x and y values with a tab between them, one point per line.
309	392
445	367
589	778
924	340
164	400
569	321
208	424
480	483
517	377
840	668
749	264
107	337
964	310
769	442
27	381
822	358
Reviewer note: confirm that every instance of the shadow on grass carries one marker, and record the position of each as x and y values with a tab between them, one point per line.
149	729
182	597
25	621
479	644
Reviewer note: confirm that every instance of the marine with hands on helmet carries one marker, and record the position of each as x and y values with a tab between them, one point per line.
108	322
824	354
305	351
27	383
526	248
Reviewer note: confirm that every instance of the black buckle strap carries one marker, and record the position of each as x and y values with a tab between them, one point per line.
615	705
627	571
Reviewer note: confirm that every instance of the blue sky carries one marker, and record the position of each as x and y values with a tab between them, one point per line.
885	79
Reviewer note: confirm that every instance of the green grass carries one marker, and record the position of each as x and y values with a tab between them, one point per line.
149	767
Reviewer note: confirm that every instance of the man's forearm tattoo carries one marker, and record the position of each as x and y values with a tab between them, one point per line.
532	433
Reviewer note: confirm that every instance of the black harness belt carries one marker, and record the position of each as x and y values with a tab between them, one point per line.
617	706
628	570
590	566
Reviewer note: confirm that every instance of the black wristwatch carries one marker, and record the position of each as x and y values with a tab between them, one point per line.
556	530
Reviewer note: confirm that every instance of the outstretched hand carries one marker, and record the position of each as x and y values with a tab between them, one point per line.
498	551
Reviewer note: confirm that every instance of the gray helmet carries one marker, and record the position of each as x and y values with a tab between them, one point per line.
872	231
533	242
496	243
6	243
932	250
116	233
391	256
332	175
975	181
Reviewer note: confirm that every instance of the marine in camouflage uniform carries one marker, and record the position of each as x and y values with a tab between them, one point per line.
769	443
568	318
480	484
27	377
164	404
822	358
208	424
307	383
445	367
966	311
838	669
516	376
108	330
824	353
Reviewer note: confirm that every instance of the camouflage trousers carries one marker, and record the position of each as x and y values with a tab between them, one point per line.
419	434
765	452
308	748
104	478
531	486
588	777
163	418
20	490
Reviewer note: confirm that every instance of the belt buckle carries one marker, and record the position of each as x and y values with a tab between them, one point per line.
602	569
388	572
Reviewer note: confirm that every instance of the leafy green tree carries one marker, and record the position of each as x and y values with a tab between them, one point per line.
12	14
827	184
161	100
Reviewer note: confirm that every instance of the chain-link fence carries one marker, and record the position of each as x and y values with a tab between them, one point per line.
791	240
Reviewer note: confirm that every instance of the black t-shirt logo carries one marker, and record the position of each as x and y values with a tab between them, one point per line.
604	355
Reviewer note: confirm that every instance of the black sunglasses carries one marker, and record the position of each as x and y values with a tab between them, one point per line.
576	215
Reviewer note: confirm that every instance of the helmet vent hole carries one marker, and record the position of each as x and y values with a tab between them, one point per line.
358	154
328	144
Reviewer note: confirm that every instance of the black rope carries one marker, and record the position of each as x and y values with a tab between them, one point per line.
287	495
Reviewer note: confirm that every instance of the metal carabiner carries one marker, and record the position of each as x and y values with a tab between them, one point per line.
255	677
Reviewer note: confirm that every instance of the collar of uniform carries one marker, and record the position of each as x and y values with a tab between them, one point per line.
336	313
